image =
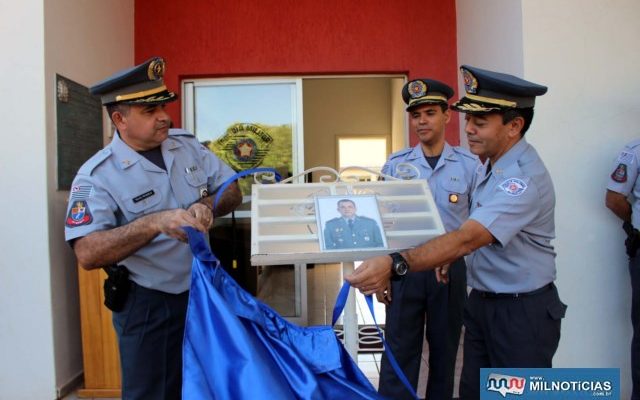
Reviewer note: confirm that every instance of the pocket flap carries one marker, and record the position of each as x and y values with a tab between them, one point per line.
144	201
557	311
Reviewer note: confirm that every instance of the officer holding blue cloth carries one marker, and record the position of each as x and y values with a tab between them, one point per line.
623	198
513	314
127	206
450	172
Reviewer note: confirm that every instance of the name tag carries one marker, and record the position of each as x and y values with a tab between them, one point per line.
143	196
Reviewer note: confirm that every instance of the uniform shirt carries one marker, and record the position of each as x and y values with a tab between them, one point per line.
451	182
364	232
625	178
515	202
117	186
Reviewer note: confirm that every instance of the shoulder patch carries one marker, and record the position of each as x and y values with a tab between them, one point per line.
180	132
401	153
626	157
79	214
97	159
620	173
513	186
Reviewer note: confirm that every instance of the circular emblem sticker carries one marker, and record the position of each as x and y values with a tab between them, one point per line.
243	146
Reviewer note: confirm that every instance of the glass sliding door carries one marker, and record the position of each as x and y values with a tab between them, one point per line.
251	123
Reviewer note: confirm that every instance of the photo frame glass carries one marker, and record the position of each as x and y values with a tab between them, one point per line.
351	222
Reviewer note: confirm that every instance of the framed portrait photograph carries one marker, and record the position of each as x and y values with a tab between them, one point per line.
349	223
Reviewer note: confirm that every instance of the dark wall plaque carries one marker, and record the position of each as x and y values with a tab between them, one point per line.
79	127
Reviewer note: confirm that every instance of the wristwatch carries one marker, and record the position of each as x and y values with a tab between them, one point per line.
399	266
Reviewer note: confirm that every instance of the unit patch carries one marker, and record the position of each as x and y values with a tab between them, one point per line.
620	174
513	186
79	214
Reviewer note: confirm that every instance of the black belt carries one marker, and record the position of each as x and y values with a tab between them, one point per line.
491	295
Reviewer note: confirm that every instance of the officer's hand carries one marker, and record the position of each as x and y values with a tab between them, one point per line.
384	296
170	223
372	275
202	213
442	274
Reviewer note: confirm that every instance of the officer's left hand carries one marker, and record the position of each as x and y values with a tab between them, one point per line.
202	213
384	296
442	274
372	275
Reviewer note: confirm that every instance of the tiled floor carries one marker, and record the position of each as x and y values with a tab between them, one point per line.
323	283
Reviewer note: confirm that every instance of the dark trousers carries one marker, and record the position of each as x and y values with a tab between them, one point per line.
634	271
416	298
520	332
150	330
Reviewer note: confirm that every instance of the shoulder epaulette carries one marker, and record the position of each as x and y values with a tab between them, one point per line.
180	132
97	159
465	152
401	153
633	144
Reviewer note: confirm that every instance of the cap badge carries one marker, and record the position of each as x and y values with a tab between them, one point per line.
417	89
155	70
470	82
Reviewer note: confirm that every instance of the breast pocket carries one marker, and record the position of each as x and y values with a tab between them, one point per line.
143	203
455	193
196	178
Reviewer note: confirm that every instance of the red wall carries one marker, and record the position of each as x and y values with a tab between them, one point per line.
222	38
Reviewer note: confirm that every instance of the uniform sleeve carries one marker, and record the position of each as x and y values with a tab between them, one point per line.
624	173
217	171
509	210
328	243
91	208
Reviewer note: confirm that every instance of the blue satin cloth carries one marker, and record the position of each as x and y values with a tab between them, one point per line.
236	347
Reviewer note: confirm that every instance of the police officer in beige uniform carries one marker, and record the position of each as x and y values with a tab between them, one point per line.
513	314
450	172
127	206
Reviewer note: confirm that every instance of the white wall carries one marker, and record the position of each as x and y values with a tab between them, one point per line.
40	334
587	52
26	364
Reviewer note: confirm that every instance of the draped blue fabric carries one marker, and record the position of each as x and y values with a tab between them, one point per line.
236	347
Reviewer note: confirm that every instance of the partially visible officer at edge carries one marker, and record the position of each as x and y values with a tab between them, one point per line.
128	204
513	314
624	182
450	172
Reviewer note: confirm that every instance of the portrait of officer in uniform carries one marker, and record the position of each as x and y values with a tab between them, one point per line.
350	230
513	314
127	206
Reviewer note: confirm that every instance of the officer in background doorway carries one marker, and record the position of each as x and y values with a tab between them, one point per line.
513	315
127	206
623	198
450	172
